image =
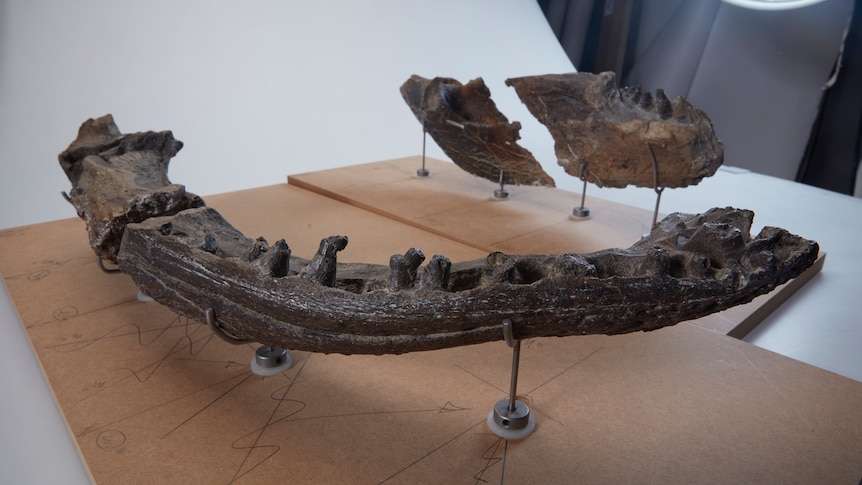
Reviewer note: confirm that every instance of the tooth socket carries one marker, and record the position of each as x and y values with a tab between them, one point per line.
403	269
632	94
321	269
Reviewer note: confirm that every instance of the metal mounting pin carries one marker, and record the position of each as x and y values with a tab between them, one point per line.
581	212
423	173
501	193
658	189
510	418
268	360
212	323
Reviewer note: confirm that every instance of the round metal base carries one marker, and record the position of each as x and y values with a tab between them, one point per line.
580	213
268	361
501	194
423	173
511	425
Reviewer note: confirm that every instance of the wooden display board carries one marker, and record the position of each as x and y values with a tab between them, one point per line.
154	398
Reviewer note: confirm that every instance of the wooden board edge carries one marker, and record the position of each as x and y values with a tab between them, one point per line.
777	298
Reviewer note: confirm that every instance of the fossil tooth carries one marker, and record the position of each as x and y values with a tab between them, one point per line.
662	105
322	267
572	265
465	123
603	132
403	269
681	108
645	102
276	261
435	275
260	247
209	244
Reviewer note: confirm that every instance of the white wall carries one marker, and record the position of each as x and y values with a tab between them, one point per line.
256	90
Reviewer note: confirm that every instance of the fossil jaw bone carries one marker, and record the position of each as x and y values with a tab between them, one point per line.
601	132
688	267
465	123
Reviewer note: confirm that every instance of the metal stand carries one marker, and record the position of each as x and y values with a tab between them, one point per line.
581	213
501	193
268	360
658	189
511	419
102	266
423	173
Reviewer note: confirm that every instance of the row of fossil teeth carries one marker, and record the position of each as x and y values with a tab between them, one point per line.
659	104
404	270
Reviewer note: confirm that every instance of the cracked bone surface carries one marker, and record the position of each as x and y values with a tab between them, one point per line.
465	123
602	132
118	179
689	266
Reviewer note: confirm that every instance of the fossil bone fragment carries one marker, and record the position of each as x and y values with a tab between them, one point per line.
604	131
465	123
118	179
196	263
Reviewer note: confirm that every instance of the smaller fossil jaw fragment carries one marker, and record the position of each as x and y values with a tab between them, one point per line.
602	132
466	124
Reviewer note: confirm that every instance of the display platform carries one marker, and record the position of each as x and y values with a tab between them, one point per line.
154	397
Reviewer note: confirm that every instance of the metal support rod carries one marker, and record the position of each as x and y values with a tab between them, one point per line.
513	386
424	138
582	212
584	192
658	189
658	192
510	418
423	172
212	323
501	193
105	269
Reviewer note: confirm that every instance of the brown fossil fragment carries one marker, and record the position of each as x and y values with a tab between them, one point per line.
688	267
118	179
466	124
602	132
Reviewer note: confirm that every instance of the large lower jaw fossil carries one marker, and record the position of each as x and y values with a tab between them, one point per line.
194	261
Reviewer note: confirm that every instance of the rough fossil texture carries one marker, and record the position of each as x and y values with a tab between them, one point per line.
688	267
467	126
601	132
118	179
